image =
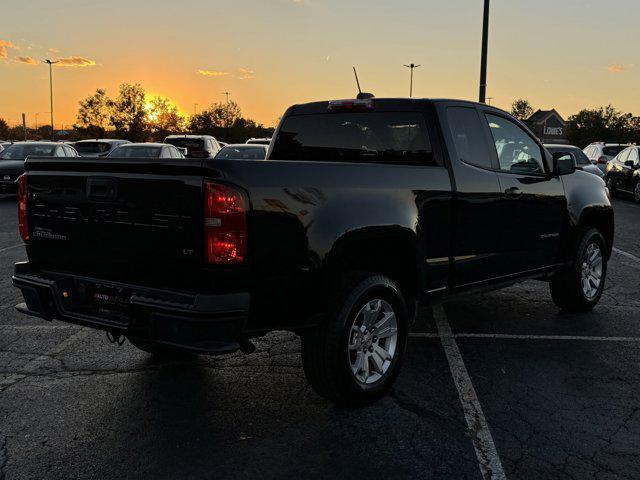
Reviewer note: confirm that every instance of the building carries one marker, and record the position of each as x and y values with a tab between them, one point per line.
548	126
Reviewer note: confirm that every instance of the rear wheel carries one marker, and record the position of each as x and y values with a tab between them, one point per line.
636	192
355	356
580	287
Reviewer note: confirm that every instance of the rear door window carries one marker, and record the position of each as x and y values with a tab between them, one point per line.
468	136
387	137
633	156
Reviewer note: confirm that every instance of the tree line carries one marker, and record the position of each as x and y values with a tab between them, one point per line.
132	115
601	124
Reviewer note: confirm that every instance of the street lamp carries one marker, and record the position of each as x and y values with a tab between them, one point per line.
483	58
412	66
51	91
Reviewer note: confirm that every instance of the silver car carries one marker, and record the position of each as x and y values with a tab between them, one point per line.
580	160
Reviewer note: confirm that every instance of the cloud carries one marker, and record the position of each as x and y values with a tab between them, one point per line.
616	68
27	60
54	50
246	74
4	48
75	61
212	73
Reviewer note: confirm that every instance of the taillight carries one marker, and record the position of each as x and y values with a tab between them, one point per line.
225	224
23	222
602	159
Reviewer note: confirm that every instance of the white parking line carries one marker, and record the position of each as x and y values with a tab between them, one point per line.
626	254
11	247
507	336
33	365
490	464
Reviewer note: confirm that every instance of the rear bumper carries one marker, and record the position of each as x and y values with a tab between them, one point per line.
202	323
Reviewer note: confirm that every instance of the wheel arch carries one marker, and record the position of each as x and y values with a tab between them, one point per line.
390	251
602	220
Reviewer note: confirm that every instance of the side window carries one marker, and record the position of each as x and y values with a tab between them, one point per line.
590	152
468	136
517	151
622	157
633	155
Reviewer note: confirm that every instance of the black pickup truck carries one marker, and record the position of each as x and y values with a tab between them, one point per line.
363	208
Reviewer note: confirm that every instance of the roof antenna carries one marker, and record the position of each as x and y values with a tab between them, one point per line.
361	95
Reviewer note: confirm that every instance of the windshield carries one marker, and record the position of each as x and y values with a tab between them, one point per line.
20	152
242	153
355	137
613	151
136	152
92	147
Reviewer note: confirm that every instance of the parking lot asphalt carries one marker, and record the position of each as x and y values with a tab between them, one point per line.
498	384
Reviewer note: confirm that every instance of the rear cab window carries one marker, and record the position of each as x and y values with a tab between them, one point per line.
468	136
370	137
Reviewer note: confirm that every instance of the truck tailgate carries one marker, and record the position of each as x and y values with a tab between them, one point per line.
130	220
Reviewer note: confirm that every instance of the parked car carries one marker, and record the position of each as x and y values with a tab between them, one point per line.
146	150
623	173
259	141
242	151
198	146
98	147
600	152
576	156
12	160
361	208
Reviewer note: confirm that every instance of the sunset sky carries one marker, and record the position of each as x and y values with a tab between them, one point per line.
567	54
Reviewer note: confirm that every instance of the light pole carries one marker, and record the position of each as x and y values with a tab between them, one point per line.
227	94
195	109
483	58
51	91
412	66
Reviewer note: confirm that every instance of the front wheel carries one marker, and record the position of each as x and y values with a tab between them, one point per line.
580	287
636	192
354	357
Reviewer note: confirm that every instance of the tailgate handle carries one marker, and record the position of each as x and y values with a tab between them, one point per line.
102	188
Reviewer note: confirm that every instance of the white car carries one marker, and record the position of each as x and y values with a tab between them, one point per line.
600	153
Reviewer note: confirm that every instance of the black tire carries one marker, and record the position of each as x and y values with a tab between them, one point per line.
636	192
159	350
566	286
325	349
610	185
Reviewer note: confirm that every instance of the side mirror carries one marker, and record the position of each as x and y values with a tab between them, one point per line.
629	163
183	150
563	164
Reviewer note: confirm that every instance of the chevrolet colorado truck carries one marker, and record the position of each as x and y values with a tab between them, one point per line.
362	208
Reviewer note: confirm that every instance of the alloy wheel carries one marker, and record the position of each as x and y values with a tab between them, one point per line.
591	271
373	340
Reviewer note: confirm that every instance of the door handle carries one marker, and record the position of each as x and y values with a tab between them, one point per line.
513	191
